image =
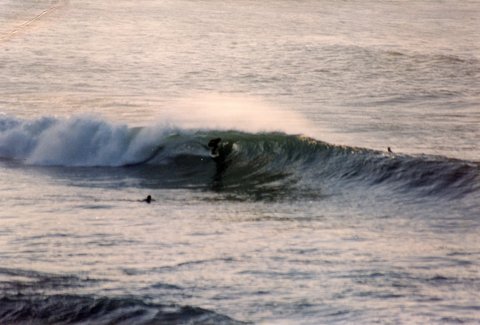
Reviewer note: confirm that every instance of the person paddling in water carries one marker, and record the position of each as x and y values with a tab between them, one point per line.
148	199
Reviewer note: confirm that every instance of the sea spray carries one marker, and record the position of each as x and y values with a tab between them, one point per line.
235	112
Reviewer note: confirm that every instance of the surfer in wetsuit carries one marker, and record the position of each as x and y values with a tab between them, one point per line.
219	151
214	146
389	150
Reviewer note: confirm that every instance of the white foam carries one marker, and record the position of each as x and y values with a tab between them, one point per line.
19	138
80	141
74	141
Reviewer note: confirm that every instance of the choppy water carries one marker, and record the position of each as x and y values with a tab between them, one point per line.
310	220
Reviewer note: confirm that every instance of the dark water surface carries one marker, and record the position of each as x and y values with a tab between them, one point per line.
308	220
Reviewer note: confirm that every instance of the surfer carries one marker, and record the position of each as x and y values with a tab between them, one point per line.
214	146
148	199
389	150
219	151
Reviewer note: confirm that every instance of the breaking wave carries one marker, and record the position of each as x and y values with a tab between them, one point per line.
260	162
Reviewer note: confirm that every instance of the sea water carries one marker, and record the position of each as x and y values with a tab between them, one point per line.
308	220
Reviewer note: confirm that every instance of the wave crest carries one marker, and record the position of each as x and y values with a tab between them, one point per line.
259	163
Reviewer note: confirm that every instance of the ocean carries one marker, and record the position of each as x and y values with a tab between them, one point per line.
305	218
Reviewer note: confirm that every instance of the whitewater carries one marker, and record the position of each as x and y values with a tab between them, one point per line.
309	219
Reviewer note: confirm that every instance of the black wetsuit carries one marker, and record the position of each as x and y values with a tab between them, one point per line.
219	152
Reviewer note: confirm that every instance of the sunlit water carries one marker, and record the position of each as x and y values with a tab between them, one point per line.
322	228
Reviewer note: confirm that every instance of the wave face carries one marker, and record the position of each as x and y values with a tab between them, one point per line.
260	164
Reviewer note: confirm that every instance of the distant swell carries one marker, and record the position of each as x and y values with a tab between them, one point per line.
259	164
24	300
69	309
